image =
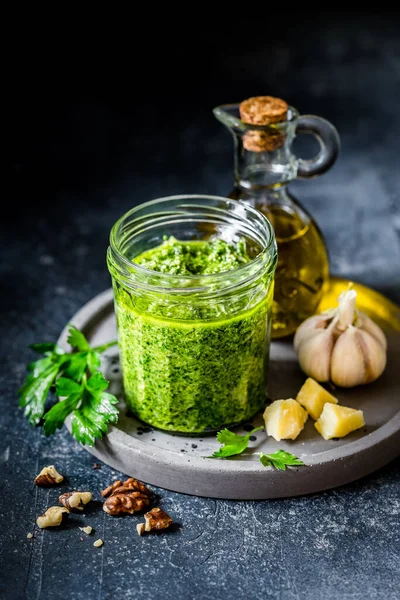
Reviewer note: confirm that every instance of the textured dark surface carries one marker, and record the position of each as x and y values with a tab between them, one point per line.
80	158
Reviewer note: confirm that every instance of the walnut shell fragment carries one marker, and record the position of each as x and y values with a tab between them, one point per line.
48	476
75	501
126	497
131	483
157	519
88	529
110	489
53	517
126	502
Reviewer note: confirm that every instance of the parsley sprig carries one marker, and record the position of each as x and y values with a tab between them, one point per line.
234	444
280	460
77	380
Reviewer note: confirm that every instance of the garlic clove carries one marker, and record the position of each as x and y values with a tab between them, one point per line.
341	344
374	354
309	327
347	362
357	358
314	354
346	310
368	325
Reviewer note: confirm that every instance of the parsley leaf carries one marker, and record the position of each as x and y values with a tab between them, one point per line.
46	348
93	360
232	443
55	417
66	387
77	379
97	383
78	362
34	393
76	365
90	420
280	460
77	340
42	374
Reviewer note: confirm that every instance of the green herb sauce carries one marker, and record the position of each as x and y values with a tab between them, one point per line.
194	258
183	372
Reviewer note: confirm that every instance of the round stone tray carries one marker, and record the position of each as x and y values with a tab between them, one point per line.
179	463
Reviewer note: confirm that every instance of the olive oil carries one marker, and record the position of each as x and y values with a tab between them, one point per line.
302	271
264	165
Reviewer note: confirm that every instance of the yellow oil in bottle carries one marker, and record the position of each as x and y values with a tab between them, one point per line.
264	166
302	273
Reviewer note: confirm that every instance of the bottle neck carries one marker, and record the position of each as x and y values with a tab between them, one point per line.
262	196
271	200
263	170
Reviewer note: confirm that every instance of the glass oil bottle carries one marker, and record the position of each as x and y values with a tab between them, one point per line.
263	167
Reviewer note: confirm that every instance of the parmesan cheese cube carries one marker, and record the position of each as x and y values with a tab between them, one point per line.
337	421
313	397
285	419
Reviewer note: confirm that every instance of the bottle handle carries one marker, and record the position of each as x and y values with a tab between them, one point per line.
329	141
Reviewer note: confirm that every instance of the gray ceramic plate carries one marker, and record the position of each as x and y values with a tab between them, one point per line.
178	463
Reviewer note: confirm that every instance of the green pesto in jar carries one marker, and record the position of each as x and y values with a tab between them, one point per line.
194	258
183	372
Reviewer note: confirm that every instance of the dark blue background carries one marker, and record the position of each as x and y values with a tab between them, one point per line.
95	132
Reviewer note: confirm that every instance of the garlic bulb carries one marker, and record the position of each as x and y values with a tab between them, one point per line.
342	345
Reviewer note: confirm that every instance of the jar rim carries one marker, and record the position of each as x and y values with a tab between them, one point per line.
265	259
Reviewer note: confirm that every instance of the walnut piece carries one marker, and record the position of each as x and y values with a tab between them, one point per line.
126	501
98	543
131	484
29	536
109	490
88	529
48	476
157	518
75	501
128	497
52	517
141	528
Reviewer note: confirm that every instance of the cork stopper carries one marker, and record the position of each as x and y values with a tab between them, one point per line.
263	110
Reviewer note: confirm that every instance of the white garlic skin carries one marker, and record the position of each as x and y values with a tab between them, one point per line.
309	328
315	354
367	324
343	345
357	358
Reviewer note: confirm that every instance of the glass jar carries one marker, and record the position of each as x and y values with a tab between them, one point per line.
194	348
264	165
